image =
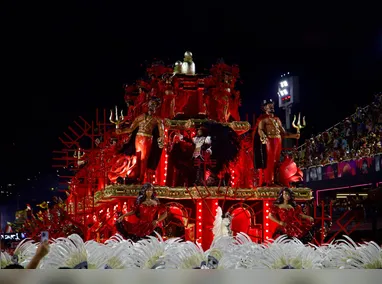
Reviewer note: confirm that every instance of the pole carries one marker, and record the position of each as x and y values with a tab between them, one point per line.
288	111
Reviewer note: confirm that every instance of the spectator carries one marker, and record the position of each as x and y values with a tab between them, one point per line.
42	250
357	136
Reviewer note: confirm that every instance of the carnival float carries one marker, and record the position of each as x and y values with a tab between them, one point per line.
181	131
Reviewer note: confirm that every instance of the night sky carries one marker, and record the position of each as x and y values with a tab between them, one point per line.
63	61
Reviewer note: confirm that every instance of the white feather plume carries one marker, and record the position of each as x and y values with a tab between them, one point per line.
65	252
25	250
185	255
5	259
97	254
220	224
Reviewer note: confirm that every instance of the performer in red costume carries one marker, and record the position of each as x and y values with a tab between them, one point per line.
292	222
150	215
268	136
142	130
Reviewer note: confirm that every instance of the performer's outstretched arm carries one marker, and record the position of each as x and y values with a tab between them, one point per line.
303	216
286	134
125	215
160	219
133	126
276	220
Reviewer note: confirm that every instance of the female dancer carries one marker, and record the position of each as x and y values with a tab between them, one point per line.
292	222
150	214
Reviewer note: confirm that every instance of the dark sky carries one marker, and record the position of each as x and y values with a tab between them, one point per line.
62	61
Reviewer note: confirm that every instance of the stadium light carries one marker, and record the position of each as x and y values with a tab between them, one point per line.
287	90
288	93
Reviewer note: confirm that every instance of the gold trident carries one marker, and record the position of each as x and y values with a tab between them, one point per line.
79	155
118	120
298	126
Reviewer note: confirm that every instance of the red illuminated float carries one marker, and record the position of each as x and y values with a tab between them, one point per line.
182	132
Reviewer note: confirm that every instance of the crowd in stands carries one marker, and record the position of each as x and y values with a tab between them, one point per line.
357	136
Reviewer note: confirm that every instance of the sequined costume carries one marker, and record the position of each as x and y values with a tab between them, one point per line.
146	214
295	226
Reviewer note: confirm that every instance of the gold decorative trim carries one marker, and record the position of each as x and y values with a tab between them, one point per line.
237	126
178	193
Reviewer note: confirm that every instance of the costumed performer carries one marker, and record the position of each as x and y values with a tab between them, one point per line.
144	129
268	136
150	214
290	218
202	151
214	148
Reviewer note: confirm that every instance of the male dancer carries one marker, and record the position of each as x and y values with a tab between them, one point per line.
268	136
146	123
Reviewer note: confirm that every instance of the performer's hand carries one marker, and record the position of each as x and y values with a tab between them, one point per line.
282	223
297	136
160	142
155	223
118	131
311	219
120	219
264	140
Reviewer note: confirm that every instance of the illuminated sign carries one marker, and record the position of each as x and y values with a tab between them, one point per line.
12	237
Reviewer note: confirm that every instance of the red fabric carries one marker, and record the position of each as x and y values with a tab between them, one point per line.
289	172
274	146
181	101
295	225
122	165
147	214
142	147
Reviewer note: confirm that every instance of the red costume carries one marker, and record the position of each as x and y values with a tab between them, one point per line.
295	225
146	215
268	145
267	156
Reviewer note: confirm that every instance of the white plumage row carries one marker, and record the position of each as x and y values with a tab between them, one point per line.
226	252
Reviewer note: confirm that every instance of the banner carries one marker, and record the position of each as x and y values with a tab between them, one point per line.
347	169
366	166
378	162
330	171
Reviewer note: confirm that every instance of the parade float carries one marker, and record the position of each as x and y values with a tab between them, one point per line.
103	165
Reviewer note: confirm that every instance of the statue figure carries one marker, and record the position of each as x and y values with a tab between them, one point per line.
177	67
188	66
143	130
268	136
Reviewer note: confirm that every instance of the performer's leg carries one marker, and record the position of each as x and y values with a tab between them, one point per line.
269	171
277	149
260	179
143	146
199	172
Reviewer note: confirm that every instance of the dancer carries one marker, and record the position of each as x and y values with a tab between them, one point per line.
149	212
142	140
290	218
202	150
268	136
